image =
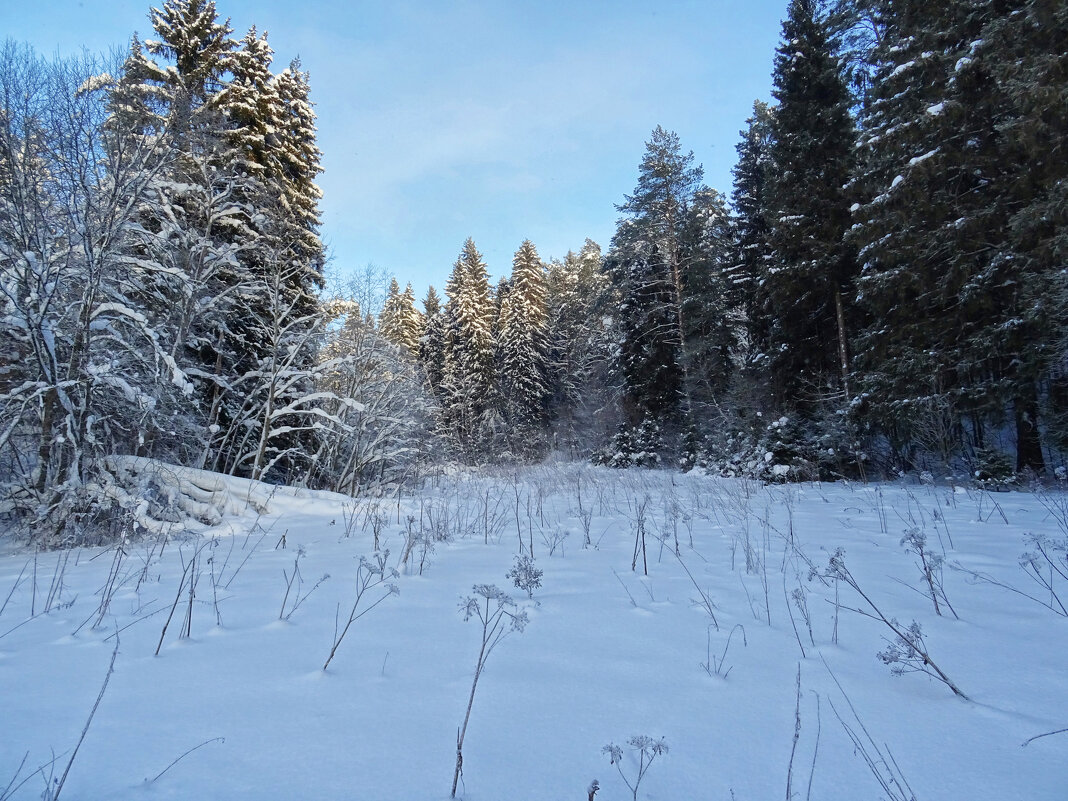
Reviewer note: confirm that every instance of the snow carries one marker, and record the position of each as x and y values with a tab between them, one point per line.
609	653
920	159
94	83
936	109
901	68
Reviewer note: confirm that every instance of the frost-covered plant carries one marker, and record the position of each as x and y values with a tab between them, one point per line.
645	748
1046	563
908	649
525	574
370	576
931	567
298	579
499	616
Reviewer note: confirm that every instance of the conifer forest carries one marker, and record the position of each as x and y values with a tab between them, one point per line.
881	291
864	337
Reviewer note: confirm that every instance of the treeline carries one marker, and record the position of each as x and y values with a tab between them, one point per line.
902	225
886	291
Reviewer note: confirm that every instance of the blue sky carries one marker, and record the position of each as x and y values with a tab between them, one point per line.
496	120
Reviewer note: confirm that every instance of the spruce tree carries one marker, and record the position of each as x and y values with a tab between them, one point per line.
583	330
752	254
432	342
808	281
522	350
961	342
469	407
399	321
391	318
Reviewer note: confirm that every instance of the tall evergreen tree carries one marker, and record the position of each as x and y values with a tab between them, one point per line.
752	252
469	408
583	328
647	261
961	342
810	274
432	341
522	350
399	321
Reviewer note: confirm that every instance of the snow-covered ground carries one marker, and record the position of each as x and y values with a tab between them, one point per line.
704	651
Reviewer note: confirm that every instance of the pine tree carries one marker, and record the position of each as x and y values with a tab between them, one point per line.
668	262
810	273
646	262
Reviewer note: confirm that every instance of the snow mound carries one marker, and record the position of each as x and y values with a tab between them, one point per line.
164	497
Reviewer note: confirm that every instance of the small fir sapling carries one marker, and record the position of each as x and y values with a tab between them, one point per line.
525	574
645	748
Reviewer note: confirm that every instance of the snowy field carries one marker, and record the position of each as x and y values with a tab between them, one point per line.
710	653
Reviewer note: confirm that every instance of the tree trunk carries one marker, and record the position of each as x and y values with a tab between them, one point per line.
44	450
1028	443
843	352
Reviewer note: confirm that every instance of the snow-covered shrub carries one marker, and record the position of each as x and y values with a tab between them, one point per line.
993	469
647	444
619	452
638	447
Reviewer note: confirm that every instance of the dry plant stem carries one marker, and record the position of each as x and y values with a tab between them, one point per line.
706	602
1040	736
884	769
14	587
7	792
54	796
248	556
988	579
177	597
368	577
815	750
496	625
620	580
713	665
793	623
187	753
846	576
797	736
